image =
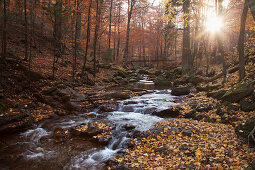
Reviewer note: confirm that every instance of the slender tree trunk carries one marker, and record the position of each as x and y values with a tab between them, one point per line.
114	44
25	15
186	53
157	50
220	44
33	18
110	26
241	42
4	44
30	57
55	43
130	11
195	42
58	32
175	47
88	38
118	43
98	12
75	40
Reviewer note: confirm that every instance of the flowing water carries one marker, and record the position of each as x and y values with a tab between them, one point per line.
37	149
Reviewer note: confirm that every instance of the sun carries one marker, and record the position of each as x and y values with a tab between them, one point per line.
214	24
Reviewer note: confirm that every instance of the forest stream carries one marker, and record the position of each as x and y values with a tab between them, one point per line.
37	149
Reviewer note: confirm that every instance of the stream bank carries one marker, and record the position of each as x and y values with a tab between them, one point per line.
88	138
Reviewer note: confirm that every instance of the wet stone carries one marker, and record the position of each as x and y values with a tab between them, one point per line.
128	109
109	107
187	132
130	102
129	126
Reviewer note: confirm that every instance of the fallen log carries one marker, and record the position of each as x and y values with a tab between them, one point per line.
230	71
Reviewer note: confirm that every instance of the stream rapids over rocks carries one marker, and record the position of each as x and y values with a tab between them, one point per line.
44	148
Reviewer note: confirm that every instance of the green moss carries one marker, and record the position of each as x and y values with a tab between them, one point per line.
121	72
238	92
244	130
239	88
161	81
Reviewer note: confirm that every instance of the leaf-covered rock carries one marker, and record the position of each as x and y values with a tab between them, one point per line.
238	92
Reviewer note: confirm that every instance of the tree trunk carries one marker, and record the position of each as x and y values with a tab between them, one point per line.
25	15
4	44
118	43
55	43
186	53
220	44
130	11
88	38
144	52
75	39
98	13
241	42
58	28
195	51
110	26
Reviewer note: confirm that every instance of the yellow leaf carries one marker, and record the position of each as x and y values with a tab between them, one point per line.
220	167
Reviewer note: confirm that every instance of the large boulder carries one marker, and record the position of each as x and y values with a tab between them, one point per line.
13	123
161	81
95	131
116	95
109	107
180	91
72	106
143	71
244	130
172	112
128	109
239	92
248	104
49	90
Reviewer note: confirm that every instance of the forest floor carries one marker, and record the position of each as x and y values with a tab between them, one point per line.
204	136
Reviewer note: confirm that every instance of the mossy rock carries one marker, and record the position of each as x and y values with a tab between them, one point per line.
121	72
238	92
244	130
217	95
248	104
207	88
161	81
